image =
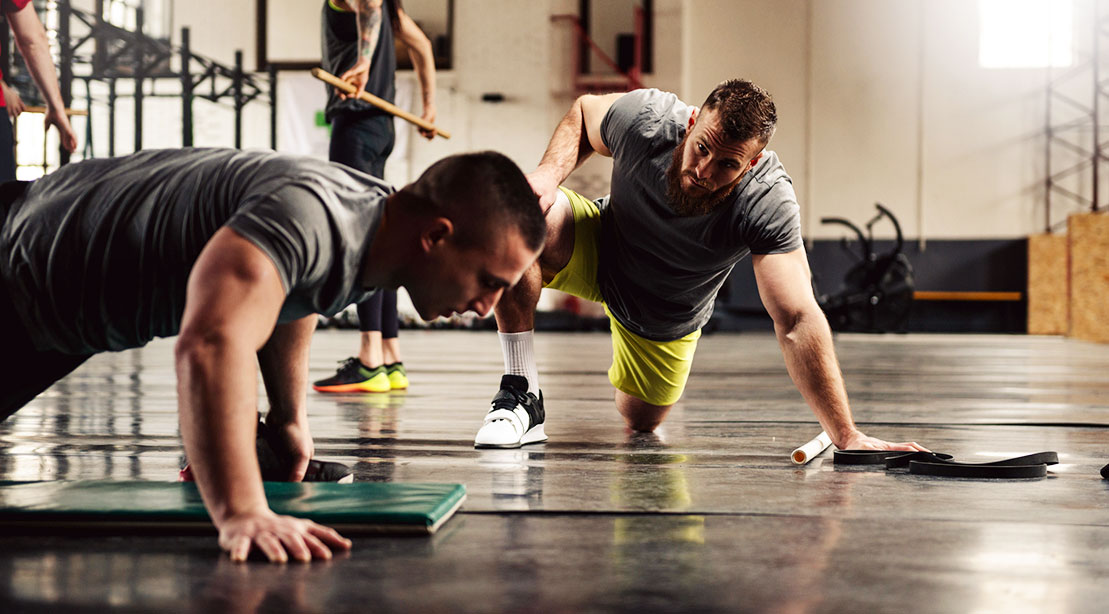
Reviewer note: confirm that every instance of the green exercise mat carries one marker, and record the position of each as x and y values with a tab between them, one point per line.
362	507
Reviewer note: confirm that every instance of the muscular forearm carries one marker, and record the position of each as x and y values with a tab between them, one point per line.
569	146
284	364
811	360
216	388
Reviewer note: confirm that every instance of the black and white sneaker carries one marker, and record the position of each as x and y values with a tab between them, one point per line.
515	419
276	468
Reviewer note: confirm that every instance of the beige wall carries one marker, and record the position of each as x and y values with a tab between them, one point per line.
878	100
900	111
725	39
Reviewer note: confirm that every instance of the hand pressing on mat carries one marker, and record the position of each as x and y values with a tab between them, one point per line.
859	441
229	332
279	538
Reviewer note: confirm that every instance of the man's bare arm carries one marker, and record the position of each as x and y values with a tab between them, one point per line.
806	341
369	28
284	364
576	138
367	15
30	38
234	295
423	61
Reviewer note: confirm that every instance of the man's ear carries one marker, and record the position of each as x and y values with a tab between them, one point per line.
435	233
692	118
756	159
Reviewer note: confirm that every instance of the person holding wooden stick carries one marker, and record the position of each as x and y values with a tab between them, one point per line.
358	45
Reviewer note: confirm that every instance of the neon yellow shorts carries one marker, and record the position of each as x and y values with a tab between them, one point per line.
652	371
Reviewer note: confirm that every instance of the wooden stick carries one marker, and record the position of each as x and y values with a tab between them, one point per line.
70	112
384	105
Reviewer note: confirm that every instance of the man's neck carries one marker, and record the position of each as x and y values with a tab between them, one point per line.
386	250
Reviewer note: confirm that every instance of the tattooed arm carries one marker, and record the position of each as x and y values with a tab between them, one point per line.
368	15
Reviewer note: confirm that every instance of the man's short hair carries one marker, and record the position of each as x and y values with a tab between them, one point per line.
746	110
481	193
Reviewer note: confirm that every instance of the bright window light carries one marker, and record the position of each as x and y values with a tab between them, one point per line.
1025	33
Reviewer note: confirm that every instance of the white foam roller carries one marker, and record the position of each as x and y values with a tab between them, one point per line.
811	450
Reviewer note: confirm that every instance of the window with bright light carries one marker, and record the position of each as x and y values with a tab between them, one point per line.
1025	33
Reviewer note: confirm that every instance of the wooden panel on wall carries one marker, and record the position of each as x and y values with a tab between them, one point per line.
1048	295
1088	240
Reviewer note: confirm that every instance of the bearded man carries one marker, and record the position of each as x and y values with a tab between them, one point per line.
693	191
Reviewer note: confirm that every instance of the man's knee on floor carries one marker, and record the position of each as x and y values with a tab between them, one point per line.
641	424
640	415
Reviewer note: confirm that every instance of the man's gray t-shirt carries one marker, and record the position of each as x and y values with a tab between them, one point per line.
660	272
96	255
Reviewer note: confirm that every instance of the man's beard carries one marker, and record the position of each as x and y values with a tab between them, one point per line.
687	205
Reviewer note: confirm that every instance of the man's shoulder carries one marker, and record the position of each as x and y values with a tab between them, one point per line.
767	173
643	122
652	103
768	186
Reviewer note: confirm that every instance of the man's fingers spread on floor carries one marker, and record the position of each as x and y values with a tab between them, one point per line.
271	547
239	549
294	545
329	536
317	548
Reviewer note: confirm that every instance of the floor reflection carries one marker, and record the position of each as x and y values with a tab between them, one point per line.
515	481
710	516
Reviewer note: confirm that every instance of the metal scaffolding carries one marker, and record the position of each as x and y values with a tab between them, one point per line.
90	49
1073	123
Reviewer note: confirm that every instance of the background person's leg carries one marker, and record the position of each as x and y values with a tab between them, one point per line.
369	325
364	142
390	342
365	372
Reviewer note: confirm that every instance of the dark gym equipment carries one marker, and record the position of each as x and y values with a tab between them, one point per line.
877	292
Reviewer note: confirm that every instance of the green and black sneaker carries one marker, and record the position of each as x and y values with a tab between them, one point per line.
353	376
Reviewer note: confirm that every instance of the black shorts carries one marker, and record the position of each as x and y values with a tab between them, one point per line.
362	141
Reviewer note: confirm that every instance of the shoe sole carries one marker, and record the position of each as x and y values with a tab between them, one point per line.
349	388
535	435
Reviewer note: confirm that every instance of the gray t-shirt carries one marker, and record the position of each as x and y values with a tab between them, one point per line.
660	272
96	255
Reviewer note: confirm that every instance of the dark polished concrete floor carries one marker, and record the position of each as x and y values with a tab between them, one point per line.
706	516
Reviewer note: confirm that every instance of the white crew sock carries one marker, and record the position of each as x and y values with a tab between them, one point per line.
519	357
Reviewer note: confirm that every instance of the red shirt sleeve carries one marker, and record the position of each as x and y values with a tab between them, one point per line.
11	6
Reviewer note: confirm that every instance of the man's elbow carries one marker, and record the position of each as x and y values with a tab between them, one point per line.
199	348
793	324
